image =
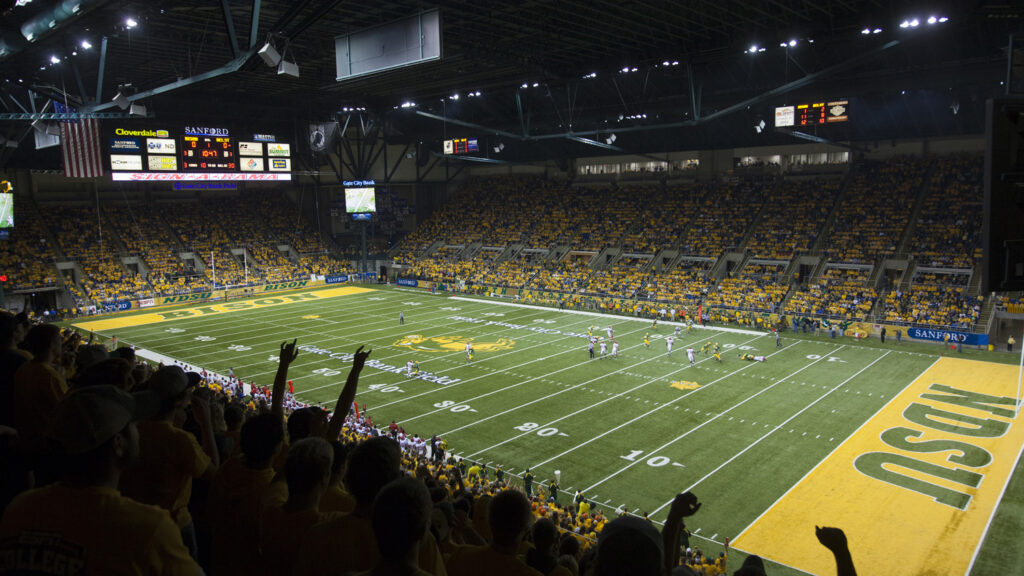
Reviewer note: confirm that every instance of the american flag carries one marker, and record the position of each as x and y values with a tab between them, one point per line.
79	145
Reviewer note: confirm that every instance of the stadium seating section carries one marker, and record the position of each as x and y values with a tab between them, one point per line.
653	245
925	209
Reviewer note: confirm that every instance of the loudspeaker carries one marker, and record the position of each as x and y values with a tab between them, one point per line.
269	54
289	68
122	101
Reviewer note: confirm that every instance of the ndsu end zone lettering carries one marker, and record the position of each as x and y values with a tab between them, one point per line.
917	484
893	467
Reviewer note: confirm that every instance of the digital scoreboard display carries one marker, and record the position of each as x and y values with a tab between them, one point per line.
813	114
197	153
461	146
208	154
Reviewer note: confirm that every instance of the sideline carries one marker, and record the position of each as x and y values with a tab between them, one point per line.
617	317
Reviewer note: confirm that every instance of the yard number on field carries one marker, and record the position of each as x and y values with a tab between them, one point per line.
655	461
452	406
545	432
830	358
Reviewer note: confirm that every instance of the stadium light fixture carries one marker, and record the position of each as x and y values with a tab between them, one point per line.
905	24
866	31
610	140
915	23
752	49
943	20
499	148
54	60
932	20
525	85
86	45
759	127
130	23
792	43
876	31
783	45
137	110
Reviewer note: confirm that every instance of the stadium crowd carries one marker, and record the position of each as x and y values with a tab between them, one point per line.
128	469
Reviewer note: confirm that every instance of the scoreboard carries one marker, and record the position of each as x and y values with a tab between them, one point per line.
461	146
197	153
812	114
208	154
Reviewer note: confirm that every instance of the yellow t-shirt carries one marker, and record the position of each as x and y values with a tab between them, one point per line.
89	531
238	497
37	390
169	458
336	499
474	560
347	544
283	534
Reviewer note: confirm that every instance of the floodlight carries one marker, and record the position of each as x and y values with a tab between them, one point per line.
137	110
610	140
499	148
131	23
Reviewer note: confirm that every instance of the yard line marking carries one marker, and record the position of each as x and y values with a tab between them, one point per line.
684	367
452	368
672	402
829	455
517	385
702	424
588	407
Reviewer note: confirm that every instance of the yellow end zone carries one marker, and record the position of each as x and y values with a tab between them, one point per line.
143	319
915	487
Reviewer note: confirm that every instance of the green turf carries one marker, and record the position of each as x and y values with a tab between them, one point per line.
613	427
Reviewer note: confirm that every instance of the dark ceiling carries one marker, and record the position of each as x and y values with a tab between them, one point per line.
901	82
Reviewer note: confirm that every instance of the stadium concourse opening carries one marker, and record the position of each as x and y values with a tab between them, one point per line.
699	276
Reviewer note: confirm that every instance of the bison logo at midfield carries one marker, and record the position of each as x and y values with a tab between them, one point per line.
451	344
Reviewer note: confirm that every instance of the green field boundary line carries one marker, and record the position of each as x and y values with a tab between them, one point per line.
1002	493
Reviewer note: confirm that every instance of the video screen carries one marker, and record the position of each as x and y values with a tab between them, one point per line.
360	200
6	211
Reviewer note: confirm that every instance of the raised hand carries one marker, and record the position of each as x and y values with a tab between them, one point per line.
685	504
288	352
360	358
832	538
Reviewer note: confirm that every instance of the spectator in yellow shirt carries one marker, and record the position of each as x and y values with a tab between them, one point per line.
91	528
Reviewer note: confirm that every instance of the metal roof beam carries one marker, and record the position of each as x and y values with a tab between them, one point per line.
230	25
469	125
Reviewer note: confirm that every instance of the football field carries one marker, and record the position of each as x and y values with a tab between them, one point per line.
906	451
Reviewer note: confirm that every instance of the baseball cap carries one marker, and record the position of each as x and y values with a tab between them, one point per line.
89	355
88	417
169	382
632	540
